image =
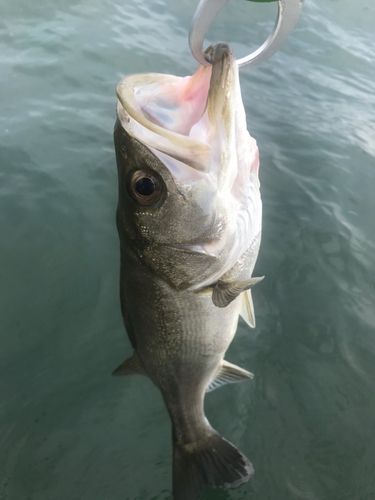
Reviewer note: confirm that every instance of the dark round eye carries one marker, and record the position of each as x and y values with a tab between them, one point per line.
146	188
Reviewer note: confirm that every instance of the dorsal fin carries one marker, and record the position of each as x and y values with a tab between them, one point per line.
229	374
131	366
224	293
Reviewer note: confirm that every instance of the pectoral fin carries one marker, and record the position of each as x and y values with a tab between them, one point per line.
229	374
131	366
224	293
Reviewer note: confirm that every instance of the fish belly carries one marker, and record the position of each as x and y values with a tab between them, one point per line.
180	337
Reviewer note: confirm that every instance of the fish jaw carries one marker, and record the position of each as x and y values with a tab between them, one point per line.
234	161
196	127
159	110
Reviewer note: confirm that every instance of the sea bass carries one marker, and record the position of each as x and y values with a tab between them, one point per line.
189	221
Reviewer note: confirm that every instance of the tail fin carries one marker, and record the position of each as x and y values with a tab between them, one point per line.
213	462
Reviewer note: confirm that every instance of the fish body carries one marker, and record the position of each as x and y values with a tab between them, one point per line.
189	221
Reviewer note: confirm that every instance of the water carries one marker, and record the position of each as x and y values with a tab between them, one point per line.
69	430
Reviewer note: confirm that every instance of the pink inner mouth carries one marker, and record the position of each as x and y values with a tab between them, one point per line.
177	105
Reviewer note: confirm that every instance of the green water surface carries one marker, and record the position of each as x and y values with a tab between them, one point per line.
70	431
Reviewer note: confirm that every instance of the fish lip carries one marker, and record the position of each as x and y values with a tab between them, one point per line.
220	51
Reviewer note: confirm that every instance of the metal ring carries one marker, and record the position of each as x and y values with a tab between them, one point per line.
207	10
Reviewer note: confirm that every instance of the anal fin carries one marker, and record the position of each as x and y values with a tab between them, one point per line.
224	293
131	366
229	374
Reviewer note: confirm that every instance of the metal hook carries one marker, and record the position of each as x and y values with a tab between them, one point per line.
207	10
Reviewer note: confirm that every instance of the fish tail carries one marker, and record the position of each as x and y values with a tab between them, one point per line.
213	461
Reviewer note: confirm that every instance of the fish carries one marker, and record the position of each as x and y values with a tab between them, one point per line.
189	221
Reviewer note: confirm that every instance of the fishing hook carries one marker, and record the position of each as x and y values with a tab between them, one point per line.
207	10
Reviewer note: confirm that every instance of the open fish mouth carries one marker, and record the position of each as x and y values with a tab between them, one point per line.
196	126
179	116
161	111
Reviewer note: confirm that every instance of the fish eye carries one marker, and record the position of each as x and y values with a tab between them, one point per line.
145	188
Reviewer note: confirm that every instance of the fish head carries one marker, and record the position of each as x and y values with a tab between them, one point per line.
189	202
